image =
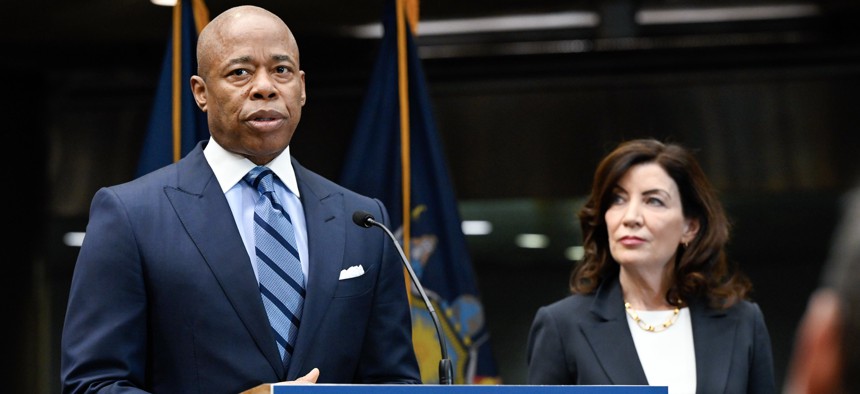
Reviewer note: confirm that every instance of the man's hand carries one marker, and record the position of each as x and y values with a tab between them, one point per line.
310	378
266	388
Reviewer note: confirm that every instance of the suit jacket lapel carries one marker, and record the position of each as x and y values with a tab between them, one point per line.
326	239
202	207
713	338
610	338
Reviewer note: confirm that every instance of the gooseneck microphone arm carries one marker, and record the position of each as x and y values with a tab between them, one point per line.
446	368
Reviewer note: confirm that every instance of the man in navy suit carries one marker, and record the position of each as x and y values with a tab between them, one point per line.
165	295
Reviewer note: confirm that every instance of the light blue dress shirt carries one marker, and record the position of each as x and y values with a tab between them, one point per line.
230	168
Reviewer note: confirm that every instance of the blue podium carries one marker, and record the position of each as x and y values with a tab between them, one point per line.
462	389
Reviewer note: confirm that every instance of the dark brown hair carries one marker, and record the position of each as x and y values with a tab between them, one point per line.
701	267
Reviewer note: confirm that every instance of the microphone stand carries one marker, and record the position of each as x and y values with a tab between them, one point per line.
446	367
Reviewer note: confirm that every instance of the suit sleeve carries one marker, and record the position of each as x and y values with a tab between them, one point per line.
547	362
104	335
388	355
762	380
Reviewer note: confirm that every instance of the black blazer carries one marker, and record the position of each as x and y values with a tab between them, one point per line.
585	340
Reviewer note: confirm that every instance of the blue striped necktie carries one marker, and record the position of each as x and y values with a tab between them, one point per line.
278	265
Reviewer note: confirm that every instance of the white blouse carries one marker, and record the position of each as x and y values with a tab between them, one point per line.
668	357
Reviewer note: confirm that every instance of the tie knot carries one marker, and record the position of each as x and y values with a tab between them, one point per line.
261	178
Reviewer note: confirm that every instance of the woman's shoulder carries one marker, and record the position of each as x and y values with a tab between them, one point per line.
573	302
743	309
746	307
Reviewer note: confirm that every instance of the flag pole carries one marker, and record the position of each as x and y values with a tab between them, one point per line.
403	93
403	89
201	14
201	17
176	113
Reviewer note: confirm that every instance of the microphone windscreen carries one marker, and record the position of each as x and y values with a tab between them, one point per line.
361	218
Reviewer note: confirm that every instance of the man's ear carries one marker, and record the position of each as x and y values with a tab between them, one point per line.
198	89
816	362
304	95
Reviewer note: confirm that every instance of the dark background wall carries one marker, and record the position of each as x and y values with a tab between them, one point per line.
770	108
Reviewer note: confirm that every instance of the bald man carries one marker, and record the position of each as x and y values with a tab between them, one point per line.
166	295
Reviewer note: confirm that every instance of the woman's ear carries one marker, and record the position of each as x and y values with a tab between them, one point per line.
691	228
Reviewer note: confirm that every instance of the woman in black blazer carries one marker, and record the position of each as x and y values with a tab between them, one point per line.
654	300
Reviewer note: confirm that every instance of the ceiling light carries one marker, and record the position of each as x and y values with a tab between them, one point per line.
559	20
166	3
574	253
476	227
532	241
724	14
74	239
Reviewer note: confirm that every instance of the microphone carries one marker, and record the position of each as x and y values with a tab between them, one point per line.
446	368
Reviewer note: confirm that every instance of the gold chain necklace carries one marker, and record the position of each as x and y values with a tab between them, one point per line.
647	327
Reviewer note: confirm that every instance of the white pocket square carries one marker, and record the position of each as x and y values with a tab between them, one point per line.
351	272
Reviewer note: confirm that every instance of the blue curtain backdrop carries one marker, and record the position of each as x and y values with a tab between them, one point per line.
438	250
157	148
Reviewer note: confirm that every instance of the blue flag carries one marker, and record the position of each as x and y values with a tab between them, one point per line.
437	247
176	124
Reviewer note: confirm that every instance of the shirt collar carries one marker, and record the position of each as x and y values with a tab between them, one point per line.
230	168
